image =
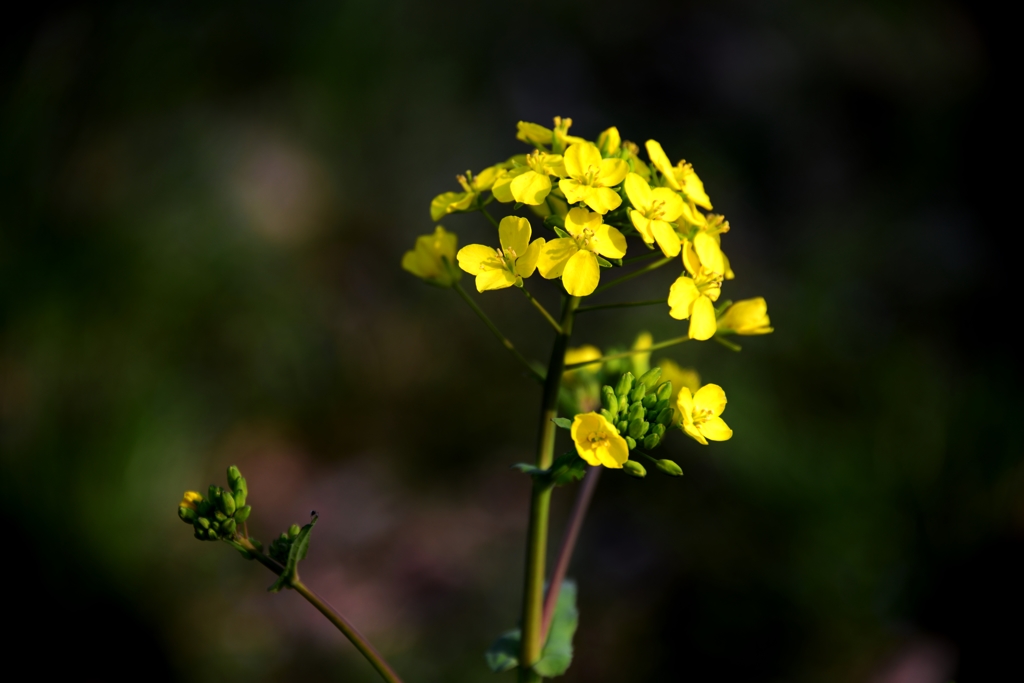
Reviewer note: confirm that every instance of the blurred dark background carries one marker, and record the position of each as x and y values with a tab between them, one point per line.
202	211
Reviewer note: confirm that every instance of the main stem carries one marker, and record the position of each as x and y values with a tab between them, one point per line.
540	504
340	622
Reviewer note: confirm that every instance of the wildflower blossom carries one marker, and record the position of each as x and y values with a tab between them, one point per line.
693	297
472	186
433	257
749	316
590	178
653	212
700	413
507	266
529	181
574	258
598	441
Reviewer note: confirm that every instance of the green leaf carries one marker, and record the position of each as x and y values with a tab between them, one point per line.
296	553
503	655
603	262
566	468
559	231
563	422
239	547
556	656
517	206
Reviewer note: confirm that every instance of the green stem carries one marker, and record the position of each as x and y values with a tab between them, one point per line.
634	259
497	333
631	352
629	304
543	311
540	504
487	213
646	269
342	624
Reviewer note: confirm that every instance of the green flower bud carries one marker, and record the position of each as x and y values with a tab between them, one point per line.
638	392
213	494
293	531
637	428
199	534
240	495
636	411
242	513
203	522
651	377
611	403
625	384
665	416
187	514
634	469
649	401
651	441
228	527
630	442
256	544
219	516
227	503
608	415
622	426
665	391
658	429
670	468
234	475
660	406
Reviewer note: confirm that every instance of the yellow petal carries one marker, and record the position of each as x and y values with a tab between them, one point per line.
580	157
531	188
554	255
681	296
715	429
578	220
582	354
448	202
642	361
642	225
612	172
666	237
502	188
671	203
692	431
411	263
602	199
638	191
691	216
690	260
609	142
527	263
749	316
710	398
660	160
702	319
494	279
581	274
692	186
476	258
514	233
684	402
615	453
485	178
534	133
709	253
609	242
572	189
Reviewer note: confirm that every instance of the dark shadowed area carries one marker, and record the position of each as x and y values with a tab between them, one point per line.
203	207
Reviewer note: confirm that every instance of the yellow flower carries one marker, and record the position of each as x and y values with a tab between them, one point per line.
574	258
190	499
700	413
539	136
450	202
500	268
529	182
590	178
693	297
582	354
707	244
598	442
653	211
749	316
680	177
433	258
609	142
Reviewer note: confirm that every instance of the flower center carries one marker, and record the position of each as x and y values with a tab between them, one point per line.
586	239
508	256
597	439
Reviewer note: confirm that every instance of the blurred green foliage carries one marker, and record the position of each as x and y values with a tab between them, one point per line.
202	213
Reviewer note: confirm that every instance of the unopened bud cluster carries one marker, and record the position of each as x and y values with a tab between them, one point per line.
219	515
639	408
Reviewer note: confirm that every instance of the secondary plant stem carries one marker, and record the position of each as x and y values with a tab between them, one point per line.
646	269
540	504
543	311
497	333
628	304
572	532
487	213
631	352
342	624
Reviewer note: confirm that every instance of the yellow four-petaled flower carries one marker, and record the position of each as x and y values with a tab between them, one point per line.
507	266
574	258
598	441
749	316
693	297
590	178
433	258
700	413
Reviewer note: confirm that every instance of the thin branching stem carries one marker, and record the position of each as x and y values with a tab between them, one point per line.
631	352
627	304
543	311
497	333
625	278
484	211
341	623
